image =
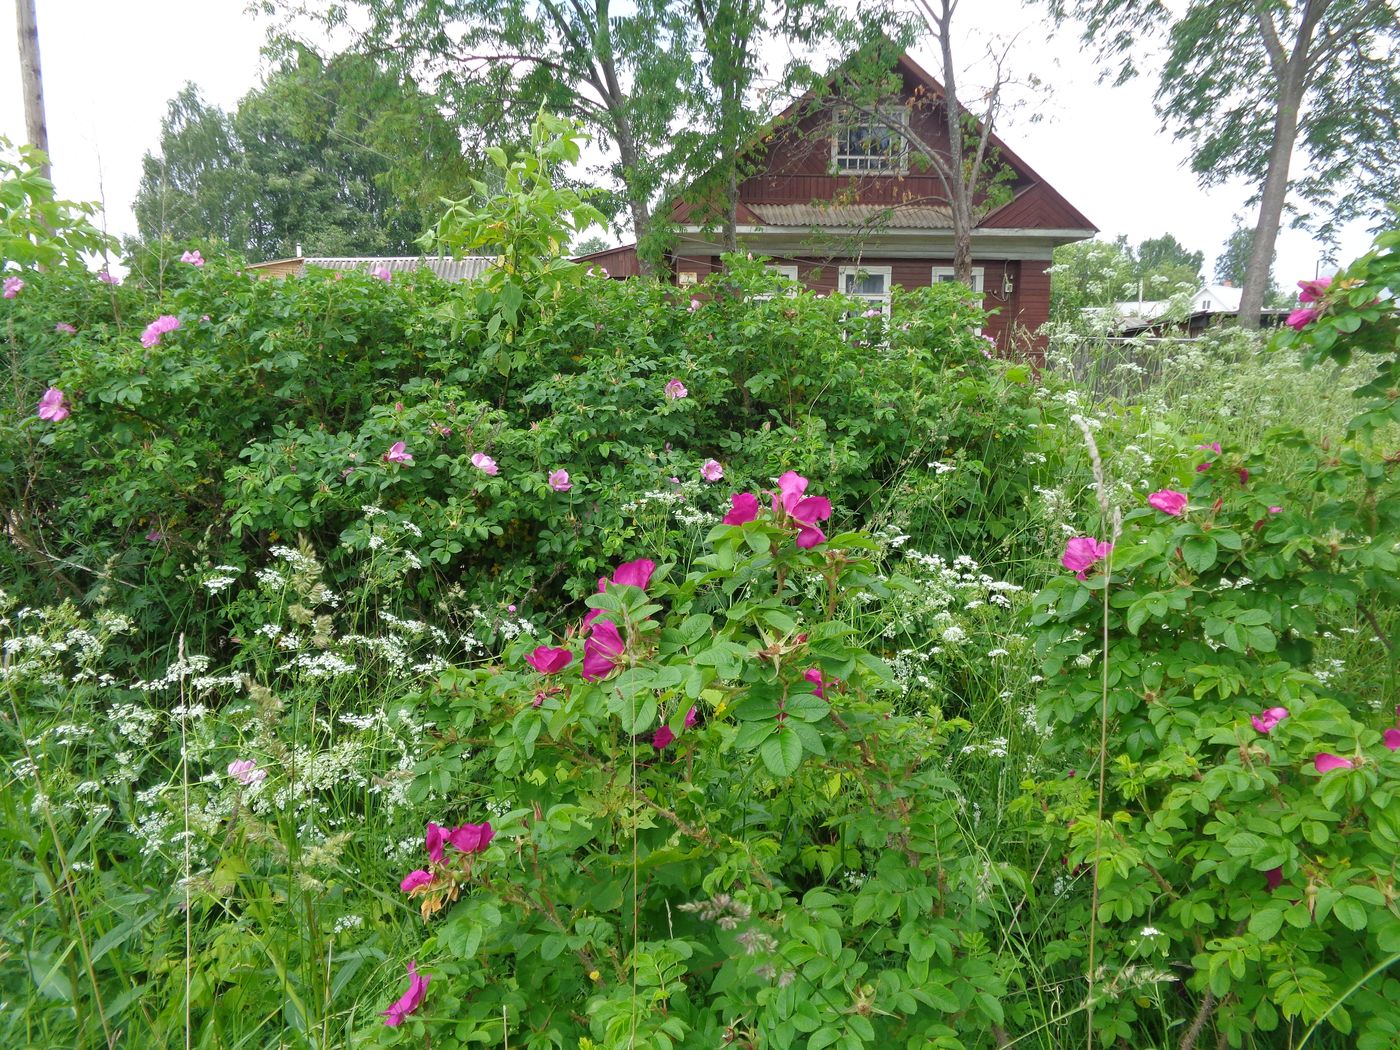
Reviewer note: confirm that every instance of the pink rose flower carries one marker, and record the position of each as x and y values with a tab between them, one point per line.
711	470
471	838
416	880
602	651
547	660
382	272
13	286
692	714
65	328
157	328
675	390
1273	878
246	771
1391	739
1265	721
1169	501
559	481
814	675
806	511
1275	510
662	738
1082	552
193	258
398	453
410	1000
52	408
1325	762
743	508
484	463
694	305
107	278
1302	317
1312	291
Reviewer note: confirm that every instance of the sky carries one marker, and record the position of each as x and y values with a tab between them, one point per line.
110	69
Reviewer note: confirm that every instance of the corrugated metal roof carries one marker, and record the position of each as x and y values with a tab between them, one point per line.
466	269
914	216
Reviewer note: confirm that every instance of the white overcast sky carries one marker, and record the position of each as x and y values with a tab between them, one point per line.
110	68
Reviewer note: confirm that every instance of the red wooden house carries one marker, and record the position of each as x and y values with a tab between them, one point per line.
836	200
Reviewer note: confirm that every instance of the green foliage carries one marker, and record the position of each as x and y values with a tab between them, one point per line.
1211	618
339	157
36	230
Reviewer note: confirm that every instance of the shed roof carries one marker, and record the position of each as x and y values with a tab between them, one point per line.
467	269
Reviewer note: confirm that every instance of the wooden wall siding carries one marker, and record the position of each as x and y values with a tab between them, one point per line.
619	262
795	165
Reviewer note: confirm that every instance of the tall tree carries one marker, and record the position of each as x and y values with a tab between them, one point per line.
1167	256
32	80
1232	263
1250	82
339	157
495	63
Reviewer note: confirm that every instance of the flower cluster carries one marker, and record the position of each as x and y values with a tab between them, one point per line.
790	505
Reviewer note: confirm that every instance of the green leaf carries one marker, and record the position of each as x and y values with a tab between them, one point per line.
781	753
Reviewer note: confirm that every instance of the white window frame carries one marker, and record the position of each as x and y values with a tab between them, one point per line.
851	163
882	298
946	273
782	270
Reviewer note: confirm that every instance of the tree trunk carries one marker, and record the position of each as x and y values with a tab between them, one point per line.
959	192
32	80
1256	275
636	195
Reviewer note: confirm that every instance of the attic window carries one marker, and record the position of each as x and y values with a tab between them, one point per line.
862	142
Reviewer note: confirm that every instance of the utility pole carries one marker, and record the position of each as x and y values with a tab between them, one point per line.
32	80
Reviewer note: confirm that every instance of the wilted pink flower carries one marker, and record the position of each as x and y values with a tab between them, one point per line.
65	328
1302	317
662	738
1169	501
443	430
471	838
410	1000
155	536
674	480
711	470
1391	739
52	407
193	258
1273	878
814	675
690	717
382	272
1243	474
416	879
1268	718
13	286
246	771
874	311
1313	290
602	651
694	305
743	508
1214	446
675	390
157	328
546	660
398	453
1082	552
559	481
484	463
107	278
1325	762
